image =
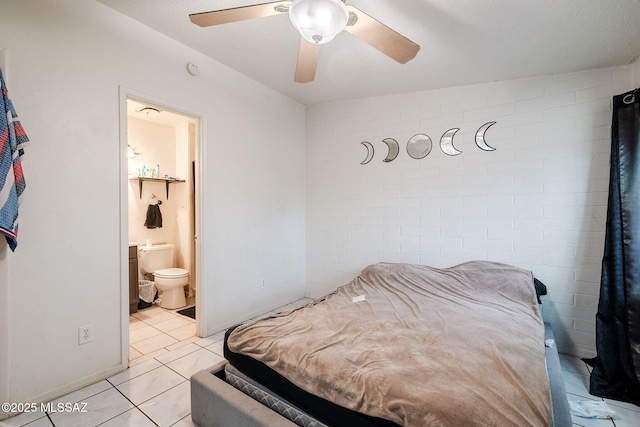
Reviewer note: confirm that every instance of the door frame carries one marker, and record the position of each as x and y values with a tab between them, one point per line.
124	95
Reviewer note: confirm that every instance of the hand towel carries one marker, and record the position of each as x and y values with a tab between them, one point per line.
13	139
154	217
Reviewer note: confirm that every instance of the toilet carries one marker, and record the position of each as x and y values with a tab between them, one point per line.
158	260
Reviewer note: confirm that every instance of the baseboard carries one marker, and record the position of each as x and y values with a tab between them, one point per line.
243	318
71	387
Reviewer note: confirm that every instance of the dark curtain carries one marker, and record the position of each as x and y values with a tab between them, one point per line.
616	368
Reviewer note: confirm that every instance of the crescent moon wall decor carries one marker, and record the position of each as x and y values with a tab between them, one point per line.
370	152
446	143
394	149
419	146
480	141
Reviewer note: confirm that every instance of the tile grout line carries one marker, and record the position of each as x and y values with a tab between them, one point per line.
165	333
134	406
589	369
201	346
168	367
138	406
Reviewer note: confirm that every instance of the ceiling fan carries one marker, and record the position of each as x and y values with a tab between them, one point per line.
318	22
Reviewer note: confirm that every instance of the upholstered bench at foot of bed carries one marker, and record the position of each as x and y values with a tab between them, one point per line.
214	403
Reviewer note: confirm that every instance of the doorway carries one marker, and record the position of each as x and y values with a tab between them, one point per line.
161	145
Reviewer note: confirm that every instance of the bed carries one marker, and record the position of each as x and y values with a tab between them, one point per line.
400	345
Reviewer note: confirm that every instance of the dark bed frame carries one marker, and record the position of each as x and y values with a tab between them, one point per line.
215	403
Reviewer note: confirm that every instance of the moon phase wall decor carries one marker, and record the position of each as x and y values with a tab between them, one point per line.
394	149
370	152
419	146
446	143
480	142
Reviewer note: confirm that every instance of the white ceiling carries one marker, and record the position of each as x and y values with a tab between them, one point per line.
462	42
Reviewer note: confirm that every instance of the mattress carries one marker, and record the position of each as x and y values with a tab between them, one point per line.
269	399
277	385
401	366
260	393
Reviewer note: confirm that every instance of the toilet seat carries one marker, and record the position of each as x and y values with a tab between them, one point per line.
171	273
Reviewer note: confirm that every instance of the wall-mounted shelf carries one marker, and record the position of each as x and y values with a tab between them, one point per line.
166	181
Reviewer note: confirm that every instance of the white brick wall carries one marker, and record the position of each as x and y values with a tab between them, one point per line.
538	202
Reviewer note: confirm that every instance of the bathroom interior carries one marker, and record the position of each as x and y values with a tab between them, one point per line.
161	211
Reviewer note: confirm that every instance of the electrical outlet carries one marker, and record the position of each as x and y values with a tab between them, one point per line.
85	334
263	284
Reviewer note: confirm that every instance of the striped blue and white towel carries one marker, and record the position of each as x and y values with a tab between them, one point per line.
12	142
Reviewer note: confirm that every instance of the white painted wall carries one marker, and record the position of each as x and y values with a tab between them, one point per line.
4	325
636	73
537	202
68	59
181	195
156	144
4	288
168	146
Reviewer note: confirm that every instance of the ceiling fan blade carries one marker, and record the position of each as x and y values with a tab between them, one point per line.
234	14
307	61
378	35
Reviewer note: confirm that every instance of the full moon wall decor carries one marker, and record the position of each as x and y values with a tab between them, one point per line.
419	146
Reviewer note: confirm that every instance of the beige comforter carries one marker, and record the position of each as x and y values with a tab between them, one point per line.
461	346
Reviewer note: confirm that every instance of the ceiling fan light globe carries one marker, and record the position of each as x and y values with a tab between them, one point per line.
318	21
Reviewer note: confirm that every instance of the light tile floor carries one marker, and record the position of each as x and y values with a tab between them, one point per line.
154	391
576	381
156	331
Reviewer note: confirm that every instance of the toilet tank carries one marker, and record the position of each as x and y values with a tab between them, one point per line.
154	258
